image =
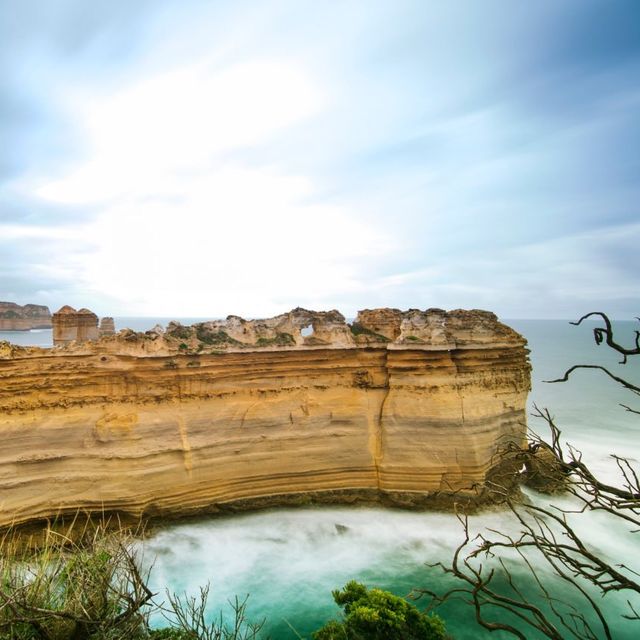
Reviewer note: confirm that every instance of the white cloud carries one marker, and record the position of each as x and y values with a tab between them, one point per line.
236	241
179	230
30	232
177	122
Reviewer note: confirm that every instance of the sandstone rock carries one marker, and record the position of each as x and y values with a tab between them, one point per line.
14	317
70	325
383	322
140	425
107	327
288	329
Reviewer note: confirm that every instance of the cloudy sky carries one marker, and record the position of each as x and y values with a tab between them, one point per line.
200	158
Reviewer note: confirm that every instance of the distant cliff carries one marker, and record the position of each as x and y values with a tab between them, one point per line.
13	317
405	408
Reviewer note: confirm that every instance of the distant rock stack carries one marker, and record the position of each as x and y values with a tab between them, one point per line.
107	327
13	317
70	325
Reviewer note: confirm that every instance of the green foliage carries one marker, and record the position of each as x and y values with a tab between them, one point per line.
90	586
359	330
179	331
171	633
280	340
374	614
186	615
208	336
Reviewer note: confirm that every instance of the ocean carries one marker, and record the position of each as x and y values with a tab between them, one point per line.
288	560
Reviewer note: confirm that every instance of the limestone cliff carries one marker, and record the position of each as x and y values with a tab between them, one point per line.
107	327
400	407
70	325
13	317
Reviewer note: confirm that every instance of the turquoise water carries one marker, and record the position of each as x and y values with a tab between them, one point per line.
288	561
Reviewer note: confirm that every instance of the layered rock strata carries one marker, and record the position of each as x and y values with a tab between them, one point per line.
107	327
406	408
14	317
70	325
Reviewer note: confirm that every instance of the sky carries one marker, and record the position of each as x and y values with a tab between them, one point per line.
203	158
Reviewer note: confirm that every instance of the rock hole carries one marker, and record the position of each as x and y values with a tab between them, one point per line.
306	331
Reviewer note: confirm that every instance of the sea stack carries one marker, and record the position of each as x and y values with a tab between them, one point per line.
107	327
70	325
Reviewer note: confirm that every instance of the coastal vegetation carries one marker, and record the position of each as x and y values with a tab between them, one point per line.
281	339
87	583
358	329
544	579
374	614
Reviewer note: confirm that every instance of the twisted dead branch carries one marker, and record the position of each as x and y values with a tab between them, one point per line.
565	577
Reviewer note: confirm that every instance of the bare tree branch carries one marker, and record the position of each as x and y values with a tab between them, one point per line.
606	335
622	381
550	539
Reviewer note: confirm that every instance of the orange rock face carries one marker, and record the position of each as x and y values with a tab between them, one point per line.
70	325
238	414
13	317
107	327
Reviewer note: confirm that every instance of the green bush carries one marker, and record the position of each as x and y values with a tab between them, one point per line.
280	340
373	614
90	585
208	336
171	633
359	330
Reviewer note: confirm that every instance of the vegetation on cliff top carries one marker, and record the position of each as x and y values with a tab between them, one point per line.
358	329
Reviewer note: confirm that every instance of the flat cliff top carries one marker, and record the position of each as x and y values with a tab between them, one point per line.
13	310
393	329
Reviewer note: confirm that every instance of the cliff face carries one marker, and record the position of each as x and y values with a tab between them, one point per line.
70	325
240	413
13	317
107	327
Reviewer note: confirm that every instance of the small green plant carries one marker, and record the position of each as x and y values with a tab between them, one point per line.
179	331
86	583
79	584
359	330
208	336
170	633
374	614
186	615
280	340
